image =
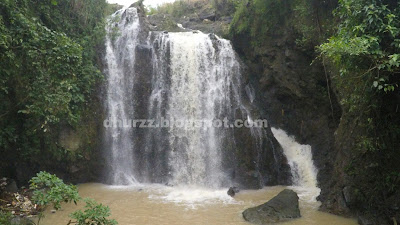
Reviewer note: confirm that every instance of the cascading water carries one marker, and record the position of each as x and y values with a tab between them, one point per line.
181	77
119	87
299	157
198	85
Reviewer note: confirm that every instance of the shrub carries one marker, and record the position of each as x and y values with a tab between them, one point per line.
94	213
49	189
5	218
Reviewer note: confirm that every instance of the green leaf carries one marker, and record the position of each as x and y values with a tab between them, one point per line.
23	111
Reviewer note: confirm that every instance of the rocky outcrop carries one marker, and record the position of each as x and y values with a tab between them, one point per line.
283	207
206	16
9	185
292	88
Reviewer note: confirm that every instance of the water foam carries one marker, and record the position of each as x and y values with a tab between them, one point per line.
195	196
302	167
189	196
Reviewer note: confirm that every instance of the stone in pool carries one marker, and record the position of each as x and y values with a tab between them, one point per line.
232	191
283	207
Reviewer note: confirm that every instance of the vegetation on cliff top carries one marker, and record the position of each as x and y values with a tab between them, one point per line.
184	7
262	18
209	16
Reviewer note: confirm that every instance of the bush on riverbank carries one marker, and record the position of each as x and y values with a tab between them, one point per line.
49	190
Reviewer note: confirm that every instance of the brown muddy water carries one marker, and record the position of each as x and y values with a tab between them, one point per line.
156	204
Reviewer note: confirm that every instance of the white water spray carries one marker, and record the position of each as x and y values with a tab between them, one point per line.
121	51
200	87
299	157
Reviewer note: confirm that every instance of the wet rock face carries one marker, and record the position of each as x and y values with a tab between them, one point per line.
368	219
8	185
255	170
283	207
292	95
69	139
11	186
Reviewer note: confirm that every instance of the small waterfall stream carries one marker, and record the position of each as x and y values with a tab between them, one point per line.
119	88
299	157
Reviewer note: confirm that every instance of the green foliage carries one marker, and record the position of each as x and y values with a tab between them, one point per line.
302	12
177	8
181	8
258	18
366	51
169	15
48	71
225	7
94	213
369	33
312	21
112	8
49	189
240	22
306	20
115	32
5	218
150	10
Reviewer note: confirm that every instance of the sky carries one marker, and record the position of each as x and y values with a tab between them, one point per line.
152	3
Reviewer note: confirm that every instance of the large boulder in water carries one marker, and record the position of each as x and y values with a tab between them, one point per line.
283	207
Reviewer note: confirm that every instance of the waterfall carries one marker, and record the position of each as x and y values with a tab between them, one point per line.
183	77
198	85
121	51
304	172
